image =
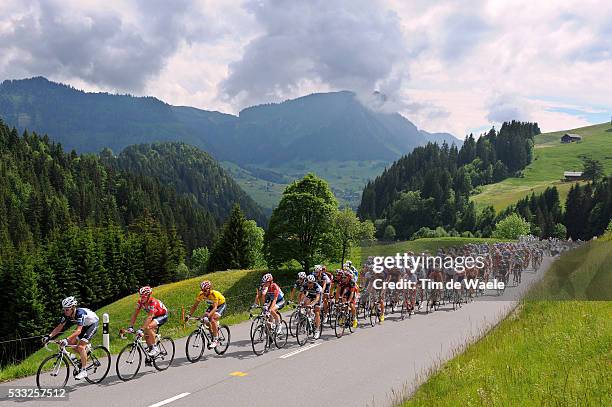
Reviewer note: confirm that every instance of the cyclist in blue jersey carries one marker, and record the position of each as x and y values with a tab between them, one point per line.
87	325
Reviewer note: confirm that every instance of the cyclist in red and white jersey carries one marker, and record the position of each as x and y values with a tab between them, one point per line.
157	315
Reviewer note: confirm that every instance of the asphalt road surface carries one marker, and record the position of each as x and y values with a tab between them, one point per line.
365	368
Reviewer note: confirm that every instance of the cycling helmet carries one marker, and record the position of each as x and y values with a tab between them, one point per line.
301	275
349	263
311	278
205	285
69	302
146	290
267	277
318	268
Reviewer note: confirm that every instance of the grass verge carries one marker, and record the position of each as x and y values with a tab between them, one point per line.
547	352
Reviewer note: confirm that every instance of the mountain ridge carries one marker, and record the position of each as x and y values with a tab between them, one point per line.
90	121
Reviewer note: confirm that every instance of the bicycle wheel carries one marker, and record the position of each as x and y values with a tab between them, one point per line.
374	315
340	324
128	362
259	340
166	354
194	348
98	364
301	333
224	340
294	320
53	372
404	310
280	339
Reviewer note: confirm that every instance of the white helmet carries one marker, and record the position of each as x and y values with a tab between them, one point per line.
311	278
69	302
318	268
266	277
301	275
349	263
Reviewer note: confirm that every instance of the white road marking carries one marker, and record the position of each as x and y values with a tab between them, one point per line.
295	352
170	400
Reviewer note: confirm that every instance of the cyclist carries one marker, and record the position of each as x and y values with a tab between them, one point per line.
157	315
323	279
87	325
312	296
347	290
273	298
297	286
348	266
216	308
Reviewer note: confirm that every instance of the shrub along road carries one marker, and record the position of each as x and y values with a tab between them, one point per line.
358	369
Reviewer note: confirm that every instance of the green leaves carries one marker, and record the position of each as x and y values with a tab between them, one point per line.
301	227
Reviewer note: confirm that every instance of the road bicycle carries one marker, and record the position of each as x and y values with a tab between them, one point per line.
264	332
306	324
197	340
129	359
343	319
54	370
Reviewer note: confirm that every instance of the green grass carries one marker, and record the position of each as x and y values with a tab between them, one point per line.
346	179
547	353
551	159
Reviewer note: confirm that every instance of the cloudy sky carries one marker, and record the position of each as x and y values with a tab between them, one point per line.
457	66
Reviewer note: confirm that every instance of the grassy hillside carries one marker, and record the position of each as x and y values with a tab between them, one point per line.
551	159
346	178
237	285
552	353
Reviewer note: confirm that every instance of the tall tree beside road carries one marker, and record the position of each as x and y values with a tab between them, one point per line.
349	231
302	226
231	250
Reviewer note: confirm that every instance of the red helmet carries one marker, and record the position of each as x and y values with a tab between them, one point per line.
146	290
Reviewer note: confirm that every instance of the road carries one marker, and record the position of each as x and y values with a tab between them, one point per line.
361	369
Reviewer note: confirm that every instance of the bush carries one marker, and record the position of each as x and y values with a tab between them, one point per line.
199	259
389	233
560	231
511	227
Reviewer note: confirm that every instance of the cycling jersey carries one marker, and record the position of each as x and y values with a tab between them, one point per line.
82	317
153	305
212	297
299	283
311	292
272	291
324	280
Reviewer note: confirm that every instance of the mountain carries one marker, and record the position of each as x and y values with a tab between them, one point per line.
189	171
318	127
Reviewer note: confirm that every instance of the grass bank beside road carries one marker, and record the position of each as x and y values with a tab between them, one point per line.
547	352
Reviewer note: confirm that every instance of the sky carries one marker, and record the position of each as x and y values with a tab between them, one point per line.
448	66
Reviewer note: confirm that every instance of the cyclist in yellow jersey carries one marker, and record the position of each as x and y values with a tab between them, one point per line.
216	308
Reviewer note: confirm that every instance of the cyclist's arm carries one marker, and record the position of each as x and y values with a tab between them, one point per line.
134	315
56	331
194	307
257	297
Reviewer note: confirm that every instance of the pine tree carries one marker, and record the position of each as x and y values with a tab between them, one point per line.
231	250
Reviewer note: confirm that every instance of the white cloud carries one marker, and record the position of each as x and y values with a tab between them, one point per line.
447	65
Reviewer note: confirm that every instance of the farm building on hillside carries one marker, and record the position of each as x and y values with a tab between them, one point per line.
572	175
570	138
